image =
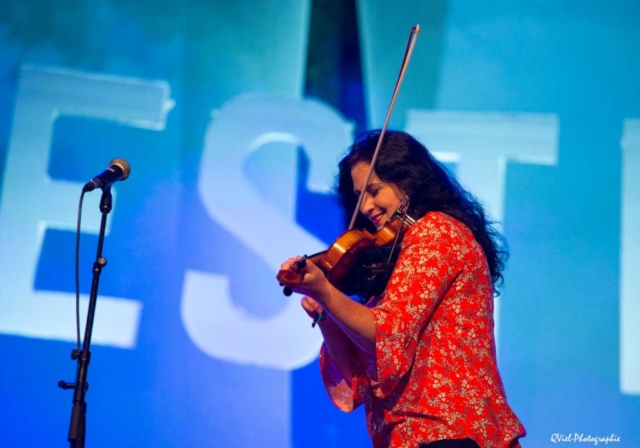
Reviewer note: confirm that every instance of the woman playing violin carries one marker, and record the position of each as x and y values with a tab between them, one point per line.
420	355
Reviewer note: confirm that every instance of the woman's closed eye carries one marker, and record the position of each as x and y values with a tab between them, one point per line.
373	192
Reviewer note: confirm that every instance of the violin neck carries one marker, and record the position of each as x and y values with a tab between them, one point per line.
317	256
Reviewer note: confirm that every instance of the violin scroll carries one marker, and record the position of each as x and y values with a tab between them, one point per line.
300	264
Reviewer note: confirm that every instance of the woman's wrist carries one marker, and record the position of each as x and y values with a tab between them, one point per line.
325	295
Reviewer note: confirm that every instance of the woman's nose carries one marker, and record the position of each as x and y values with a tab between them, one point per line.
367	205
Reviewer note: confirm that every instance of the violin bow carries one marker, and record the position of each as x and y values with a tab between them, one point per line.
413	35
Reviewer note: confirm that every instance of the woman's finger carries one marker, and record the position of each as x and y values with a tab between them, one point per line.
289	263
311	305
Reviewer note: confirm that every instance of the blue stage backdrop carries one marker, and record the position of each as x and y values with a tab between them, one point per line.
233	115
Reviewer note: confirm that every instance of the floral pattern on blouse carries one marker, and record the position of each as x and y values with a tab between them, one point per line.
434	375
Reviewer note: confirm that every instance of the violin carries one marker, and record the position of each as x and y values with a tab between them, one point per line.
343	255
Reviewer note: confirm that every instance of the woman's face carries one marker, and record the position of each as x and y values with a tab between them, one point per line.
381	199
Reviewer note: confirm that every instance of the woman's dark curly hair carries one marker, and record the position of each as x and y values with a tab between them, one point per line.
405	162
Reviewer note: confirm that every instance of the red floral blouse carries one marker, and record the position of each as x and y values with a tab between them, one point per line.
434	375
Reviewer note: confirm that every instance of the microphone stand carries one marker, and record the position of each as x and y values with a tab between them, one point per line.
77	425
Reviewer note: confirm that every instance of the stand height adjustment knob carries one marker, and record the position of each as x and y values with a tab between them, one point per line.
64	385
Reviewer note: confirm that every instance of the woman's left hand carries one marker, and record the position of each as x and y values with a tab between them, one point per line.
314	283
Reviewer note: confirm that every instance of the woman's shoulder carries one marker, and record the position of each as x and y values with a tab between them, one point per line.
437	225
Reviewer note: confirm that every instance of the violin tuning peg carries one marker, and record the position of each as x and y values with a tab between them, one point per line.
287	291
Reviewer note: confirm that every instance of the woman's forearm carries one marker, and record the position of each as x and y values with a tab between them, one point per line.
354	319
339	346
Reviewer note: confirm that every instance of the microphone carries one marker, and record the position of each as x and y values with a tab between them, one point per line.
119	169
